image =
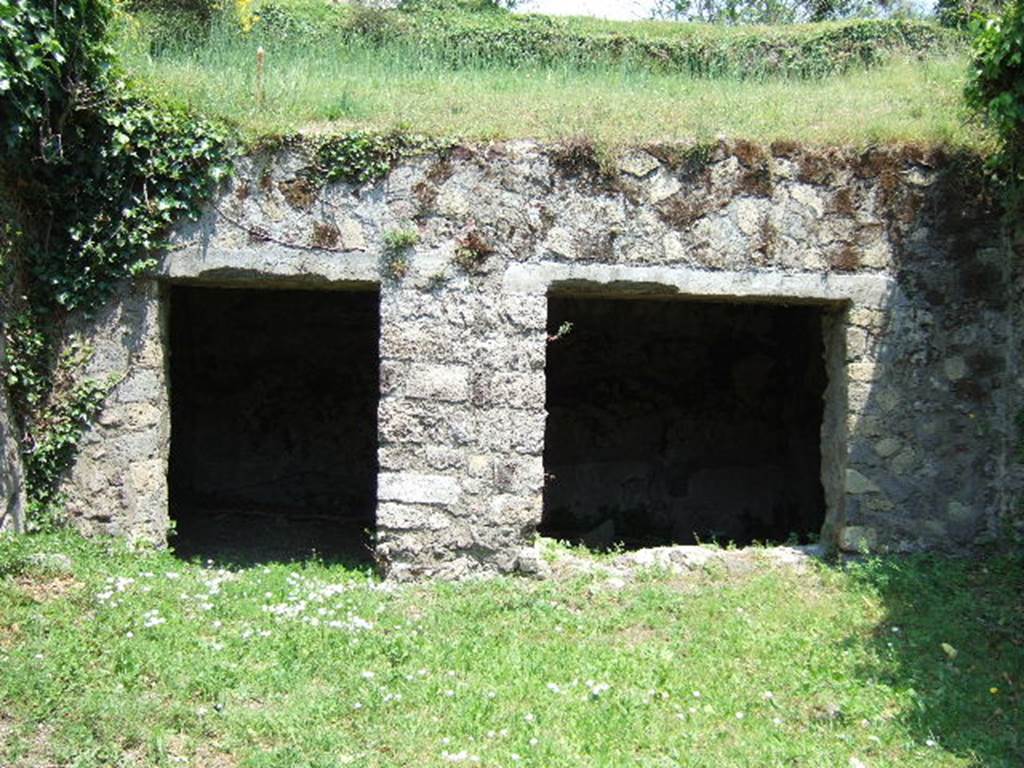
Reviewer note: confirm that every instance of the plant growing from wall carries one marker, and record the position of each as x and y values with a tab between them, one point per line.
471	250
563	330
398	243
55	428
360	157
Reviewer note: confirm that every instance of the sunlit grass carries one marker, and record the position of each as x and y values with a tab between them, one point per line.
114	658
326	88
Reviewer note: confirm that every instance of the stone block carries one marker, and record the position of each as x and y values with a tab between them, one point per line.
869	318
525	311
518	474
478	465
525	355
12	485
415	422
864	371
662	187
399	517
438	342
955	368
511	390
858	539
350	235
530	562
439	457
960	514
638	163
888	446
426	381
515	512
141	386
414	488
503	431
856	483
904	462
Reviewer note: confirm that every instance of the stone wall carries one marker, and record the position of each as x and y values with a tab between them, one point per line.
917	426
1014	487
118	484
12	482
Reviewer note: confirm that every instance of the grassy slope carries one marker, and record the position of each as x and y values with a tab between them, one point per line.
323	84
909	102
244	670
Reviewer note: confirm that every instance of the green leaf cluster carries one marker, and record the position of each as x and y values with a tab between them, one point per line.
395	256
49	53
57	428
996	90
129	170
359	157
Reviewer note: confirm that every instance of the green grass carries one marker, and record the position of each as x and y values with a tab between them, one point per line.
330	16
330	87
244	667
746	50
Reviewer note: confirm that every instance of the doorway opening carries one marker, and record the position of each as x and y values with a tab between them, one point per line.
273	423
677	421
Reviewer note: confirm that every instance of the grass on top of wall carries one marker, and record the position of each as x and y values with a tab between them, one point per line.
327	86
110	657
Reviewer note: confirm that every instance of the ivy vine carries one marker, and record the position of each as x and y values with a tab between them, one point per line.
996	91
360	157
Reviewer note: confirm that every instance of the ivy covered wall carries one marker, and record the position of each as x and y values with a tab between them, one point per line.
94	176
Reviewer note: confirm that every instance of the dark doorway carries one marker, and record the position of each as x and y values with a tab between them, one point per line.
674	421
273	422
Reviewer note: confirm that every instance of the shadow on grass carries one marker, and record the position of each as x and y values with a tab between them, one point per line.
953	638
240	540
